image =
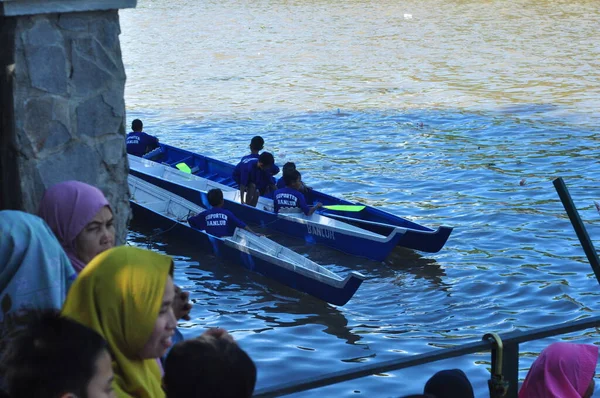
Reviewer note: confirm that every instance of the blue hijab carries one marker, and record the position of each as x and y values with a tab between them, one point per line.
35	272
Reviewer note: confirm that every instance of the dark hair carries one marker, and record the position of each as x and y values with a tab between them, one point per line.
52	355
289	166
449	383
215	197
266	159
137	125
257	143
291	177
420	396
209	367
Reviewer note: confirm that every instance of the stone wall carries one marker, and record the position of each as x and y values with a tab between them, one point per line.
63	111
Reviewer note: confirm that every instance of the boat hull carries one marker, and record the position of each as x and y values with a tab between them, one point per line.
414	236
377	249
334	291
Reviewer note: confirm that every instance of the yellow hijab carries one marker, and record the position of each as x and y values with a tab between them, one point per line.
119	295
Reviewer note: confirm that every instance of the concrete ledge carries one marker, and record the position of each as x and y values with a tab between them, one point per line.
12	8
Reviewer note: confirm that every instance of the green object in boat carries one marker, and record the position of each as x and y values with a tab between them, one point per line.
344	207
184	167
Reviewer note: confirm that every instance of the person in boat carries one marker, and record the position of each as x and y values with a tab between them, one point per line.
210	367
563	370
448	384
54	356
35	272
290	197
139	143
81	218
256	145
126	295
217	221
305	189
256	178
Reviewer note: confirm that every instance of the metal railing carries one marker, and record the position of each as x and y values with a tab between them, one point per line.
504	349
509	365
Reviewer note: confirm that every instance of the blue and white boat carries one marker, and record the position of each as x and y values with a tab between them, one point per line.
165	210
414	236
316	228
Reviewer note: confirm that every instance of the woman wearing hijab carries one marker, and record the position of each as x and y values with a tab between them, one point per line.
81	218
35	273
563	370
126	295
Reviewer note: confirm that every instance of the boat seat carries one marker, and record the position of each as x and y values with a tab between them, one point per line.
228	181
174	163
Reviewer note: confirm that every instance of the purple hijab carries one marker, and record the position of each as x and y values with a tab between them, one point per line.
67	208
563	370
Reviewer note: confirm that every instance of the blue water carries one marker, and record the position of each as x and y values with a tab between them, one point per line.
512	262
459	115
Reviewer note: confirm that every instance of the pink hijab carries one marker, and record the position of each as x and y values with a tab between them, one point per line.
67	208
563	370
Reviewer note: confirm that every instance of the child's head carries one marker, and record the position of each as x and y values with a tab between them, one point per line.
289	166
292	179
449	383
137	125
257	143
265	160
215	197
209	367
57	357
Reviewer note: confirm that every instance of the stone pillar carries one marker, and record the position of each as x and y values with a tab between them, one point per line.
62	112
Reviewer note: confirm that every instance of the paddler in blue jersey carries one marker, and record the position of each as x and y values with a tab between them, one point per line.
256	145
290	197
217	221
138	142
256	179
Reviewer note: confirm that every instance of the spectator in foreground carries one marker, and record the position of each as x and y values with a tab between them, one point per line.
563	370
56	357
209	367
451	383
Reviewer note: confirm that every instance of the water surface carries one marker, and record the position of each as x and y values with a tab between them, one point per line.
446	113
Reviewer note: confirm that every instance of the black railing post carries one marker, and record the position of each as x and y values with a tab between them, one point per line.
510	368
584	238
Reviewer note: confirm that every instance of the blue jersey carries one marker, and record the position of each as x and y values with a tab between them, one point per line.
281	183
251	173
237	171
216	221
139	143
289	198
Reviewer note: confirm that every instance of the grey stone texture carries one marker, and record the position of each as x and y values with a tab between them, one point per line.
33	7
62	111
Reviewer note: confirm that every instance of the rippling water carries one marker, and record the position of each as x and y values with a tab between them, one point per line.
434	111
